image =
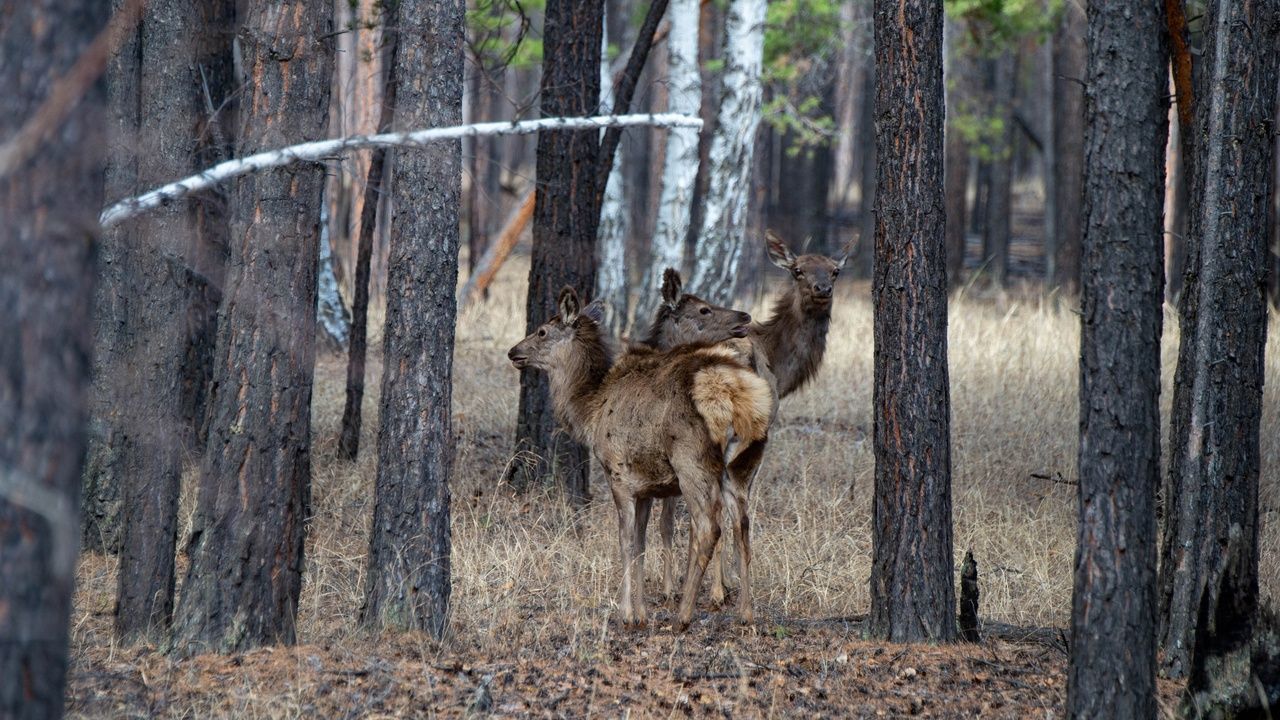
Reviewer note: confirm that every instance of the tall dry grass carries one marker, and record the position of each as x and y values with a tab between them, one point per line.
525	565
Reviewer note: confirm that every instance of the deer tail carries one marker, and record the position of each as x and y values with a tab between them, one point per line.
729	397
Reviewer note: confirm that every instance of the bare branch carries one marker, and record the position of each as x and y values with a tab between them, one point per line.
321	149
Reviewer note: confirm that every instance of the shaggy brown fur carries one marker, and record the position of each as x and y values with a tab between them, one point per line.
654	421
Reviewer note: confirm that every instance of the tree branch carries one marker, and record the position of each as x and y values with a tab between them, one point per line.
314	151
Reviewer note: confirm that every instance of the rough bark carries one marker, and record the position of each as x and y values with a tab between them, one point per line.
724	219
1069	59
408	581
142	325
995	233
956	162
1112	664
912	581
47	212
1213	481
241	589
357	351
680	164
565	219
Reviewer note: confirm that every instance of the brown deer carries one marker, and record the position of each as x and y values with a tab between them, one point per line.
659	424
787	351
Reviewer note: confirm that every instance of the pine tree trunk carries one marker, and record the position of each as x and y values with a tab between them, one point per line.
1213	481
867	143
140	358
1112	665
565	219
1069	59
912	582
724	220
241	589
408	584
680	165
995	235
48	213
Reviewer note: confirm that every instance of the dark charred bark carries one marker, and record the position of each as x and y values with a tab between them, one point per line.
241	589
1112	666
565	217
912	583
357	352
48	209
995	234
969	599
156	96
1069	58
408	580
1212	509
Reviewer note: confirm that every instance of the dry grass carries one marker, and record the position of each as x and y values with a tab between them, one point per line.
531	576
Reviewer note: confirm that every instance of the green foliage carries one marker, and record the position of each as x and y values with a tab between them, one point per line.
498	32
801	44
994	25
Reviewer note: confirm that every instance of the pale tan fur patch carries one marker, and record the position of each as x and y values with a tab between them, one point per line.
732	398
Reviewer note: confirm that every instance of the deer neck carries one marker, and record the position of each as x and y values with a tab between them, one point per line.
794	339
576	382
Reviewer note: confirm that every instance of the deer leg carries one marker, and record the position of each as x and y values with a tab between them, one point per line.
639	530
715	572
667	528
742	473
626	507
700	485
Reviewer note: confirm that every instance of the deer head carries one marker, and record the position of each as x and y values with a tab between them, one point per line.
813	275
550	344
684	318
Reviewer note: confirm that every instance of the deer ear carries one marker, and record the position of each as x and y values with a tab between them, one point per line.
672	285
778	251
845	252
595	311
569	305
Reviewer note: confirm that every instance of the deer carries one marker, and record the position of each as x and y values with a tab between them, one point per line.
786	350
659	423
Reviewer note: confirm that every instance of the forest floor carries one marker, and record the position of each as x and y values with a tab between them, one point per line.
533	632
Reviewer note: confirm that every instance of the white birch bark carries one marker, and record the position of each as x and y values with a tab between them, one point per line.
724	222
680	164
331	313
611	236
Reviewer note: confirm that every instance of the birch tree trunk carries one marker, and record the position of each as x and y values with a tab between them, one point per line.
46	288
680	164
1113	653
242	586
611	243
724	221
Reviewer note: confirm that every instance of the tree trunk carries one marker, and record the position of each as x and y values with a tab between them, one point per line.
724	219
1175	212
156	96
995	235
1069	59
680	165
408	584
611	245
862	260
956	162
48	210
1213	481
565	219
912	582
357	351
242	586
1112	665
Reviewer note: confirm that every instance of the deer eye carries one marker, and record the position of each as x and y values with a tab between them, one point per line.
542	332
797	274
835	273
705	311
